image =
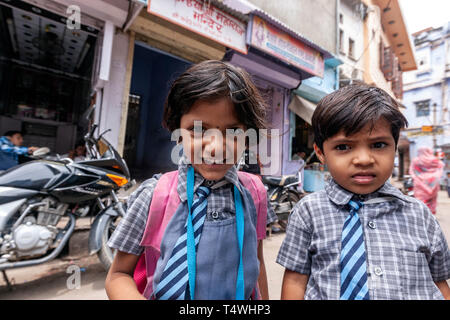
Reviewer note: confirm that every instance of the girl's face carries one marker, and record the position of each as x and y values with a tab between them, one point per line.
208	149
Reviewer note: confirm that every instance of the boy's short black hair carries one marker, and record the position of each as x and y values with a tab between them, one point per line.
10	133
351	108
210	80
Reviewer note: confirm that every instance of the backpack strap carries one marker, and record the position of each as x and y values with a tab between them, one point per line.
259	195
165	201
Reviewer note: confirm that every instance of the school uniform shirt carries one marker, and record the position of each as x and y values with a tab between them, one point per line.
219	234
406	250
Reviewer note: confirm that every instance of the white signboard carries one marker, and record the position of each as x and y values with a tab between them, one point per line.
204	19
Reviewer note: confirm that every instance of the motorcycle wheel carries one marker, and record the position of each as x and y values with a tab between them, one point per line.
106	254
290	199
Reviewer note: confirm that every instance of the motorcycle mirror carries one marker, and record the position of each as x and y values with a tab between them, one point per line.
89	112
101	135
41	151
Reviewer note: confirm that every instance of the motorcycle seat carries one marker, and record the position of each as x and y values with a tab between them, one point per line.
279	180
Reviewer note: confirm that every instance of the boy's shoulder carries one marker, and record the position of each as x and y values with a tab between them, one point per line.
313	202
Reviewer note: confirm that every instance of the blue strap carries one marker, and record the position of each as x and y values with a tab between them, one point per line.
240	236
191	253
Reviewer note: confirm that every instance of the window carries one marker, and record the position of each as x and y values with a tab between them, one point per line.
351	48
422	108
423	59
341	18
341	41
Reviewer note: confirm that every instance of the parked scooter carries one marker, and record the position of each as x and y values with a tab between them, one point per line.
283	192
408	186
40	201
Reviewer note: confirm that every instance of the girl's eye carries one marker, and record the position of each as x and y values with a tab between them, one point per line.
197	129
342	147
379	145
238	131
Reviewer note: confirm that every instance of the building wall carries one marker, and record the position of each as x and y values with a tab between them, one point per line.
373	34
352	27
315	20
431	81
113	91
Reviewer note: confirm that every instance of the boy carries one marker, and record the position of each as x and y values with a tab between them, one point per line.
11	148
360	237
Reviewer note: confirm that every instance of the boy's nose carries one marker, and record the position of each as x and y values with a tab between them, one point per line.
363	158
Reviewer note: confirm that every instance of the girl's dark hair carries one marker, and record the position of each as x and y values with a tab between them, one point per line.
210	80
351	108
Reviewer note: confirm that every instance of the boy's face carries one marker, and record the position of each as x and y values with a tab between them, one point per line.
362	162
16	139
217	155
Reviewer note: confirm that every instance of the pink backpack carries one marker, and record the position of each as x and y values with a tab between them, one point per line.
165	202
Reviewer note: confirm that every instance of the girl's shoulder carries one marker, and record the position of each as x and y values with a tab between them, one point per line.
144	191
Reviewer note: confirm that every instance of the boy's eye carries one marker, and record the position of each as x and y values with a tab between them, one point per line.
379	145
342	147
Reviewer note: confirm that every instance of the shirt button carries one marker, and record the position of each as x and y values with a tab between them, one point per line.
215	214
372	224
378	271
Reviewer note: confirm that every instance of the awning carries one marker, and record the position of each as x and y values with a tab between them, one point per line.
302	107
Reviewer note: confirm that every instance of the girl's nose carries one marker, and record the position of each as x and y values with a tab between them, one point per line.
213	145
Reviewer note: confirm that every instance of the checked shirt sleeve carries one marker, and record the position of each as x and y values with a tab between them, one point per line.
129	232
294	251
440	255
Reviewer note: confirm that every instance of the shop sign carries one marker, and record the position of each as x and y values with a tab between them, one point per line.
285	47
418	133
203	18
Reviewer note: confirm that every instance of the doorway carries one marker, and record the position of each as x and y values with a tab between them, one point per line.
152	75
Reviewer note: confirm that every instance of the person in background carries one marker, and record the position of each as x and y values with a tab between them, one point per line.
426	170
11	147
254	167
79	153
448	183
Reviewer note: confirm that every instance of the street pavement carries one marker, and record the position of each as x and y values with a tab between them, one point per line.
54	280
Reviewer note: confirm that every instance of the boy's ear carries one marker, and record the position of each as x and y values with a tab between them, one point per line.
319	154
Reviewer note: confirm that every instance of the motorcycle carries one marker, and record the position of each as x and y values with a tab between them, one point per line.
408	186
40	201
283	192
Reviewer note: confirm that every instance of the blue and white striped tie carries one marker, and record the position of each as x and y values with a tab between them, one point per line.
353	257
174	279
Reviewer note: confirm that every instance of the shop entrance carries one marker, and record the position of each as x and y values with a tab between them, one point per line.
45	75
148	145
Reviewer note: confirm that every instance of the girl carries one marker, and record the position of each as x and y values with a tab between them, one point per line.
211	247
